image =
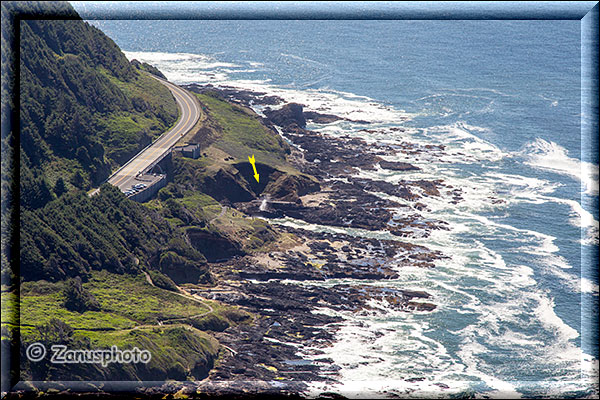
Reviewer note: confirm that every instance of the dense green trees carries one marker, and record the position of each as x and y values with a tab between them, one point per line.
76	86
76	233
77	298
85	109
60	187
148	68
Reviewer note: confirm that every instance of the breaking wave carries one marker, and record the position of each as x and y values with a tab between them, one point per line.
493	309
550	156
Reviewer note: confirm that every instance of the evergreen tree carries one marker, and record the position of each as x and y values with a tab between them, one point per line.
77	180
77	298
59	187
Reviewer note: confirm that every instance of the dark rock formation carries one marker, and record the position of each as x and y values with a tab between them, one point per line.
266	349
241	96
291	187
212	245
246	172
397	166
226	185
319	118
288	117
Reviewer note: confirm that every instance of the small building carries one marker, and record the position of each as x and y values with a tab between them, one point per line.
190	150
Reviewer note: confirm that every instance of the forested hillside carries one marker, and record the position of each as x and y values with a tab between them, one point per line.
102	270
85	109
72	236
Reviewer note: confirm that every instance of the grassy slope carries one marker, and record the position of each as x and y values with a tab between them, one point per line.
235	133
126	301
130	312
84	108
121	130
241	134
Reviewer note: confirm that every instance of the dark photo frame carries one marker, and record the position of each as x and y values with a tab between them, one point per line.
15	12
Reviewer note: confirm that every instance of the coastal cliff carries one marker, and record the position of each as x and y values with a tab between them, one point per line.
198	274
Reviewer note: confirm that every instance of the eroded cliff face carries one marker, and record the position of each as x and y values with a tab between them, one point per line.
287	187
226	184
235	183
213	245
277	184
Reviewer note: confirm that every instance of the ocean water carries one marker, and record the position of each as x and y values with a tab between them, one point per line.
516	297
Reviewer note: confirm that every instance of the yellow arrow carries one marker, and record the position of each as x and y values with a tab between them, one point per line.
253	161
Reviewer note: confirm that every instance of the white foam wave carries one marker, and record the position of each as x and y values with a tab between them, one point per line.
490	90
550	156
463	145
502	303
302	59
587	286
357	108
514	286
438	95
181	60
511	292
553	103
583	219
523	188
535	190
185	68
547	315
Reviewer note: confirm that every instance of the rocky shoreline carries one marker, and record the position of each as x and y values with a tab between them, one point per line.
279	350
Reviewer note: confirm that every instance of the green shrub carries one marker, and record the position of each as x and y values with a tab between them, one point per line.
77	298
162	281
210	322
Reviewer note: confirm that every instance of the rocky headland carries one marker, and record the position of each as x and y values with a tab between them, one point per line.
280	285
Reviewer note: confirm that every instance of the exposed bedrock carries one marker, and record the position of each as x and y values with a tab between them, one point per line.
288	117
397	166
212	245
267	175
226	184
290	187
236	184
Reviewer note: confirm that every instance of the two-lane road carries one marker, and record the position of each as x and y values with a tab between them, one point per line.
189	108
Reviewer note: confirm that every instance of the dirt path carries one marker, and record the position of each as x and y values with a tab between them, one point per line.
181	293
223	210
148	279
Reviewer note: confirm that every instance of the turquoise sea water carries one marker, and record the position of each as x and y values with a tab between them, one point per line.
504	97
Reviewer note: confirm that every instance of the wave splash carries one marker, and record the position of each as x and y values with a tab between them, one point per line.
548	155
186	68
407	344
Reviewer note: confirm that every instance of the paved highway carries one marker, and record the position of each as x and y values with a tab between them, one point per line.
189	108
